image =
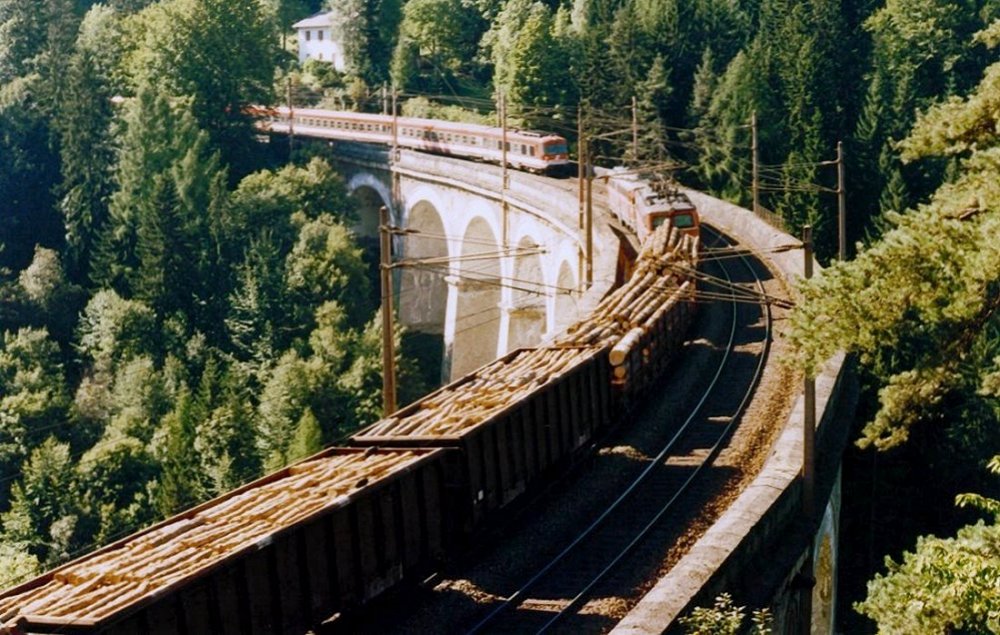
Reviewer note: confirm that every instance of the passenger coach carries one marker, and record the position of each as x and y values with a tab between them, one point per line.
530	150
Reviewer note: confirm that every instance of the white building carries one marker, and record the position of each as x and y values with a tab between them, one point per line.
318	42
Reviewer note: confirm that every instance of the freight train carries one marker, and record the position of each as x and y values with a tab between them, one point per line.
330	533
643	206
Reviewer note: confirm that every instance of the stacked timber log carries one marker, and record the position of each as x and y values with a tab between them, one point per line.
477	397
139	567
627	320
644	320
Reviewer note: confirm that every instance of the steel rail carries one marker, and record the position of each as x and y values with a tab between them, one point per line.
709	459
519	596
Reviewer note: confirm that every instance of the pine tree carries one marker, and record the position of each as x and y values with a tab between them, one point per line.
308	438
651	104
181	480
254	320
630	52
86	146
42	501
22	38
225	439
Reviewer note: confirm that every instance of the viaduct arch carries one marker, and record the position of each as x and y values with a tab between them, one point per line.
477	272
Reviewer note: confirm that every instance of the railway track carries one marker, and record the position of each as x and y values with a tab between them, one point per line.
615	534
562	587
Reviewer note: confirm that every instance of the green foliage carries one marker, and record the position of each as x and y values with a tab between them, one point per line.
921	310
224	437
16	564
220	53
528	57
282	403
369	31
280	200
326	265
22	37
113	330
308	438
944	585
28	171
725	618
423	108
84	126
115	477
42	513
179	485
54	301
921	53
362	381
721	134
256	312
437	43
654	92
918	303
33	396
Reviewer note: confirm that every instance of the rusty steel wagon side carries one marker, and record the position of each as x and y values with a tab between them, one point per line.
276	556
513	442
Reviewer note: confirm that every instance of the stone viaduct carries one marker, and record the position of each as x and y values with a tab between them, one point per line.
508	279
764	549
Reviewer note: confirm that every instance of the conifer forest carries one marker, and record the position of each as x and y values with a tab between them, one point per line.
184	308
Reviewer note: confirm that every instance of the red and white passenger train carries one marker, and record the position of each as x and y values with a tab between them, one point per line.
631	198
541	152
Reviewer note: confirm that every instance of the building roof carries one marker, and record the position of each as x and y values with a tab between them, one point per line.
313	21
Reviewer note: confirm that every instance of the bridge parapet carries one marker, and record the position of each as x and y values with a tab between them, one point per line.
762	549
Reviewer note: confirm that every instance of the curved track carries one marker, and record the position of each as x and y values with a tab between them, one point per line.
572	576
619	539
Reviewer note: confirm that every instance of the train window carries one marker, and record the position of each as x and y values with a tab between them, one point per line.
556	148
683	221
524	149
531	150
656	221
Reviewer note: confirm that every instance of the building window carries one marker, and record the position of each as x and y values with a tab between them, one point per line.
319	35
308	35
321	56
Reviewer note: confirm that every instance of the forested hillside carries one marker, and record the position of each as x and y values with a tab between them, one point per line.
180	312
177	315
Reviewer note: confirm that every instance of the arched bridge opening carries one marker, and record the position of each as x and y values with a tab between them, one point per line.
477	279
423	290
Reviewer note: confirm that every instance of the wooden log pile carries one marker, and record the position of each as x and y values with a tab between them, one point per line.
97	587
625	318
625	321
489	391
